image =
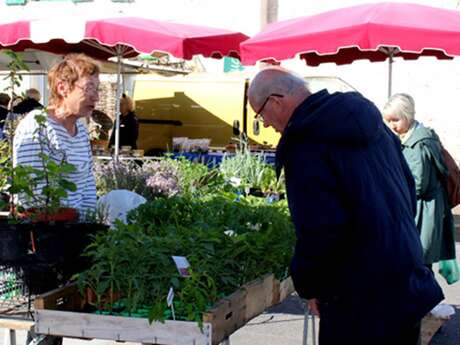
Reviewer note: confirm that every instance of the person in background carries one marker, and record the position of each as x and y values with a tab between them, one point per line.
422	150
29	103
73	85
4	101
101	123
15	101
20	108
358	258
129	125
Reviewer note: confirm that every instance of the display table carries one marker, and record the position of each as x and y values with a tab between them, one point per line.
212	159
58	313
126	158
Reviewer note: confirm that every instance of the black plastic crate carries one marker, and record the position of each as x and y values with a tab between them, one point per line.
15	300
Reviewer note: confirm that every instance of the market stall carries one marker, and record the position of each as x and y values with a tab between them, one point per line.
121	37
375	32
237	247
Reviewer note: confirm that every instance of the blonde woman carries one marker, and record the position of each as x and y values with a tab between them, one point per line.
129	126
423	152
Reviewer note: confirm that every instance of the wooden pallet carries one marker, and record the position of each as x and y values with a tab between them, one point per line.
430	325
16	324
118	328
282	290
57	313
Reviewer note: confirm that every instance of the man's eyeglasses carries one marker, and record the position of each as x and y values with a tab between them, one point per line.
259	115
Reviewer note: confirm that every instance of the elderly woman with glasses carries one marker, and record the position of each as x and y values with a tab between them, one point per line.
73	85
423	152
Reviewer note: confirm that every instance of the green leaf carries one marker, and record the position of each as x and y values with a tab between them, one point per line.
68	185
67	168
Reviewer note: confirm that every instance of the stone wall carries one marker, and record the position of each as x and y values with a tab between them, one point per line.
107	96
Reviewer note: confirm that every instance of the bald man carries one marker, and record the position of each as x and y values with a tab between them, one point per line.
358	258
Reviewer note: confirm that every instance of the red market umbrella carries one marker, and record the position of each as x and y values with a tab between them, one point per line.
122	37
375	32
100	38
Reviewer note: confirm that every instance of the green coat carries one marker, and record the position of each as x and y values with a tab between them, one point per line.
434	220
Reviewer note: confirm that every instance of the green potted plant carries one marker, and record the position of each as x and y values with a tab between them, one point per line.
13	243
41	234
44	206
4	171
250	170
14	235
35	224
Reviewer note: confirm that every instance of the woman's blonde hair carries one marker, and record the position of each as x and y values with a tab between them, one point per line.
401	105
128	101
69	70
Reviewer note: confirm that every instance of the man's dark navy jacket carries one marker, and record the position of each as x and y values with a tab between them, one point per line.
352	200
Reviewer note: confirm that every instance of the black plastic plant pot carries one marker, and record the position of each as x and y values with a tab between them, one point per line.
80	237
63	243
256	192
55	253
50	242
5	198
14	242
41	278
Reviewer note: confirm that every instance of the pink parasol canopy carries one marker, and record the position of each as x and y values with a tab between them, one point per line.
120	37
99	38
372	31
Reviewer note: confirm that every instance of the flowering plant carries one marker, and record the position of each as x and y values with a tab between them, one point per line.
164	178
118	175
161	177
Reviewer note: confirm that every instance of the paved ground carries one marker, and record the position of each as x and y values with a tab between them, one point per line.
283	324
450	332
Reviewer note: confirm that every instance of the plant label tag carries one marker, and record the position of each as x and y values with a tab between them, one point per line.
182	265
170	297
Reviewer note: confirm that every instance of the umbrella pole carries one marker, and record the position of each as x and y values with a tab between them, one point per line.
117	107
390	72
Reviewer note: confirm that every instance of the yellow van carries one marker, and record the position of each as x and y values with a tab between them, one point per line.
204	106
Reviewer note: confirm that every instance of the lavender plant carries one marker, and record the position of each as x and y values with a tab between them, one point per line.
160	177
163	178
119	175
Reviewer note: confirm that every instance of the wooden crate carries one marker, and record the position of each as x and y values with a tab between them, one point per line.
66	298
118	328
430	325
56	313
286	287
234	311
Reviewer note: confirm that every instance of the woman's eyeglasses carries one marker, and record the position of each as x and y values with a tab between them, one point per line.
89	89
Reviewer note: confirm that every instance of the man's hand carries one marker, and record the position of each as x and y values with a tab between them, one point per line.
313	306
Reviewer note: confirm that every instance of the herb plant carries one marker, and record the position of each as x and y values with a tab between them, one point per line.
51	178
227	242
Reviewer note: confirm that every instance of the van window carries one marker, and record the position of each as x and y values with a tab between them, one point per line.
236	127
256	127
